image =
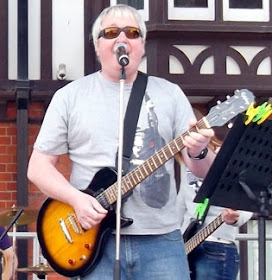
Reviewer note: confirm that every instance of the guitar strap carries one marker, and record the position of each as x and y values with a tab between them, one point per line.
131	118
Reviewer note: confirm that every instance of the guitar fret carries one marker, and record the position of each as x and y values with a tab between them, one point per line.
112	195
140	171
149	165
146	172
128	181
153	163
165	154
179	142
126	186
133	178
159	155
168	152
138	175
187	133
203	124
171	149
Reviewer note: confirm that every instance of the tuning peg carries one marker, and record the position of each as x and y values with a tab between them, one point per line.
228	97
230	125
218	102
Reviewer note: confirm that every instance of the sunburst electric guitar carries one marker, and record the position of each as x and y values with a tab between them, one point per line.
73	251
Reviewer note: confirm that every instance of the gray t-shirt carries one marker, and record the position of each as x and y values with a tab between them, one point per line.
82	121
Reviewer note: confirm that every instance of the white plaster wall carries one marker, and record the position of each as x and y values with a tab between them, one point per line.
68	38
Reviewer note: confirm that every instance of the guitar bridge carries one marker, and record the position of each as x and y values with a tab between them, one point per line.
75	224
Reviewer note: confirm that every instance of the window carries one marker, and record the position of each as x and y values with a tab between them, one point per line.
141	5
137	4
191	9
246	10
246	4
191	3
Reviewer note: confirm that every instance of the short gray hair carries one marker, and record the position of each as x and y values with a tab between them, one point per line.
119	10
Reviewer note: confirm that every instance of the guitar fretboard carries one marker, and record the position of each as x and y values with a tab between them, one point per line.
198	238
141	172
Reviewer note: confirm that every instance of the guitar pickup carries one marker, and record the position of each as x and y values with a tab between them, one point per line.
65	231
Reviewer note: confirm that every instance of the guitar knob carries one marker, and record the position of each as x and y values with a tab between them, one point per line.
88	246
228	97
72	261
83	258
218	102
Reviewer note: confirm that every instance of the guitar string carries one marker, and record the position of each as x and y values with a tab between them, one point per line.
194	241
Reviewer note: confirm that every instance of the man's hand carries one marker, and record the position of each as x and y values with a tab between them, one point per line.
197	141
88	210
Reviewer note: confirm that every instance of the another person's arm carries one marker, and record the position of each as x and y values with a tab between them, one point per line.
235	217
10	264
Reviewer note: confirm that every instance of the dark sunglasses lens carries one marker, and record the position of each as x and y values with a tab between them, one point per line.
111	33
132	33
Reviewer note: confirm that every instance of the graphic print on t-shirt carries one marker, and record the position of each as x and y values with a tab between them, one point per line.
194	181
154	190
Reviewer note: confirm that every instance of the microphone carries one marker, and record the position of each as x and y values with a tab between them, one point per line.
121	51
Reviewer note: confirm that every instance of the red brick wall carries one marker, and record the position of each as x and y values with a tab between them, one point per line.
8	166
8	169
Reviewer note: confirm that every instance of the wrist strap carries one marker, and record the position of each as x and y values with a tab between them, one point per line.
202	154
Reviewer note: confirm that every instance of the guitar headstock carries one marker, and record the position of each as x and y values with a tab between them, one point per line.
225	111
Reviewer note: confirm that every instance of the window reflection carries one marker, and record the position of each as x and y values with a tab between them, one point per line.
191	3
246	4
137	4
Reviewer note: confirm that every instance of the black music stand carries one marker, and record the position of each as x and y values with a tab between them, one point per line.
241	176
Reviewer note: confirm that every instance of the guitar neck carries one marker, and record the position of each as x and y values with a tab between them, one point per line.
199	237
136	176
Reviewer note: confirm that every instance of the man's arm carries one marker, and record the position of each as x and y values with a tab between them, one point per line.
43	173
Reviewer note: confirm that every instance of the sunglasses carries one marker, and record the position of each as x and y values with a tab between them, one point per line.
113	32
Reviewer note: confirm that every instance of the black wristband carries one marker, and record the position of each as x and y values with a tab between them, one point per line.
202	155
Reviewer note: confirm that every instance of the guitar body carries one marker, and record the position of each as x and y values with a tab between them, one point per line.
69	249
191	230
